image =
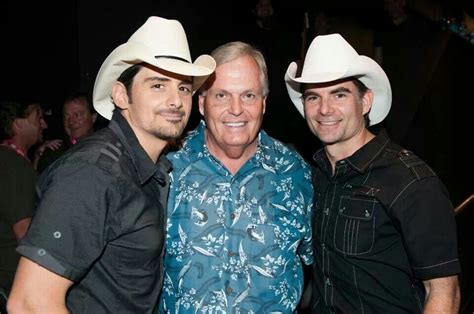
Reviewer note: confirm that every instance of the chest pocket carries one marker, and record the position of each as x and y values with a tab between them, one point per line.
355	225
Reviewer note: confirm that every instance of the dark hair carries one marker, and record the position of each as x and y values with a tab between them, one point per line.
82	97
126	78
11	110
362	89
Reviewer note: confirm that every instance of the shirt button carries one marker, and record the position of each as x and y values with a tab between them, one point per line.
229	290
343	162
324	247
326	211
230	253
232	216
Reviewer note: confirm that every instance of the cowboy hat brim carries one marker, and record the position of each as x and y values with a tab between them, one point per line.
362	68
130	53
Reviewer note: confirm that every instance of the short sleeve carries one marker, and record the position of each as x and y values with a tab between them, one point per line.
428	225
68	231
17	188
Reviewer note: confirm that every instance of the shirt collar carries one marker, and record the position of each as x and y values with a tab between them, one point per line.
142	162
9	143
195	146
362	158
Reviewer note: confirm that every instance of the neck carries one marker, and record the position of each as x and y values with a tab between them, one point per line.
21	147
152	146
342	150
233	158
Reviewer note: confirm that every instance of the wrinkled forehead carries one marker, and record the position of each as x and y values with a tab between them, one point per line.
348	82
153	71
75	105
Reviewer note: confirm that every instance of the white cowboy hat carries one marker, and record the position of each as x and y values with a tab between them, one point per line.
159	42
330	58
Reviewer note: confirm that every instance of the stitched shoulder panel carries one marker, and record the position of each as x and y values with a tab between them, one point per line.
417	166
103	149
110	154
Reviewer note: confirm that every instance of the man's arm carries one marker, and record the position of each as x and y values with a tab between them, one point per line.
442	295
20	228
37	290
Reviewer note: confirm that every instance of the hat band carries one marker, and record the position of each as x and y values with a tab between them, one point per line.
173	57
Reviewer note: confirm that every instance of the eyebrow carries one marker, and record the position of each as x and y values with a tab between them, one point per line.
157	79
164	79
341	90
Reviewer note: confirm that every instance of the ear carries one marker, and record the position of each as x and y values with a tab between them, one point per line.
367	100
119	95
17	125
264	104
201	100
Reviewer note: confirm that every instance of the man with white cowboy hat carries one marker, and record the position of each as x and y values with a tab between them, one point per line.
384	230
96	243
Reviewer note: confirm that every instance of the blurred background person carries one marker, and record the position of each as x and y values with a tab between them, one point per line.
79	119
21	127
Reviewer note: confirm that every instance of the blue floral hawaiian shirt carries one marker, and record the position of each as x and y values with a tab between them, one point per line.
236	242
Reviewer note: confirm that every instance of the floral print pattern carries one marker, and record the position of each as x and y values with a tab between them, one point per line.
235	243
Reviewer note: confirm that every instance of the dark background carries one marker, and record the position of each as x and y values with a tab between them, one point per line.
50	50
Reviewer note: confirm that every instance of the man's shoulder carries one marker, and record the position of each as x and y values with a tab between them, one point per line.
103	149
404	162
11	161
278	152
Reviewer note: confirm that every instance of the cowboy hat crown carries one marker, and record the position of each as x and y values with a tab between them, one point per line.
330	58
159	42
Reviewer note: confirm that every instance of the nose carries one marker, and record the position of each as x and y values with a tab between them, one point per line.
325	107
236	107
175	99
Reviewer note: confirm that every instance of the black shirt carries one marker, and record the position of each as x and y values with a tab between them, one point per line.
383	224
101	222
17	194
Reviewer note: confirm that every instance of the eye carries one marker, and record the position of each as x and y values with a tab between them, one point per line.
158	86
186	89
249	96
220	96
340	95
310	98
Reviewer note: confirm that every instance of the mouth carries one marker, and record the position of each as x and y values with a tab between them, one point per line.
328	123
235	124
172	116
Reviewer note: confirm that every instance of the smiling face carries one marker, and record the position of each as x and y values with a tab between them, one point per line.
158	107
335	113
78	121
233	108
